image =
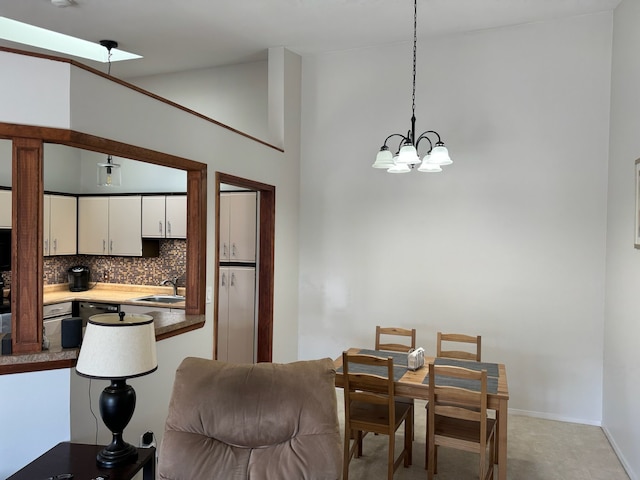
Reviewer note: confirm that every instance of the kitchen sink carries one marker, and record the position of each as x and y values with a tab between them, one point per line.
160	299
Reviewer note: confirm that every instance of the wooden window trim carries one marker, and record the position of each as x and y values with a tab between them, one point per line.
27	215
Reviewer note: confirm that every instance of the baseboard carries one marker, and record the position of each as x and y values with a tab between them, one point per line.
559	418
619	454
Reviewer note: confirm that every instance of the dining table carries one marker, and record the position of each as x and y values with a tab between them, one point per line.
415	384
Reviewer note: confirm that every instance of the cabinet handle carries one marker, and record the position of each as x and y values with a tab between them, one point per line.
104	245
169	228
233	249
224	250
55	245
46	246
110	246
224	280
160	227
233	279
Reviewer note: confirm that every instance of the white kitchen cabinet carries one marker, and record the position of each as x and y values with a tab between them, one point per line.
238	227
93	225
164	216
236	314
153	216
176	216
60	225
5	208
110	225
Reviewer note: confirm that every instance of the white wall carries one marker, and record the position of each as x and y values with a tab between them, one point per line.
133	118
235	95
508	242
35	416
621	391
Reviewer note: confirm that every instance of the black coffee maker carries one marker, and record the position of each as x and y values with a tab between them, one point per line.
79	278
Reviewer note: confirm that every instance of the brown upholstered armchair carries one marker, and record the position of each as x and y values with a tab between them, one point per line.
261	422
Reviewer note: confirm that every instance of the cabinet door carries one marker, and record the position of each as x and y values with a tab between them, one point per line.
125	225
153	217
176	216
237	338
5	208
222	338
242	227
46	225
63	225
93	225
224	253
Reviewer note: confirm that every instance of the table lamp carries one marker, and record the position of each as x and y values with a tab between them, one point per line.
116	347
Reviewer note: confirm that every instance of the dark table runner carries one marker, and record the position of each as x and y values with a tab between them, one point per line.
491	368
399	364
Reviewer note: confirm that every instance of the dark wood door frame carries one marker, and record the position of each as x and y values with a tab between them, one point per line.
265	265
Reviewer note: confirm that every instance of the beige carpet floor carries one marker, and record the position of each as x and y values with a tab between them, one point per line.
537	450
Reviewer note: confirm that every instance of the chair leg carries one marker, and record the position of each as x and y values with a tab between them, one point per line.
431	453
408	439
347	454
391	457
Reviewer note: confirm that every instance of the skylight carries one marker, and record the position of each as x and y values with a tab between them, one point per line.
26	34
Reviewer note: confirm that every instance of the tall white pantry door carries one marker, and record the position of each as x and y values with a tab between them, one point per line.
236	314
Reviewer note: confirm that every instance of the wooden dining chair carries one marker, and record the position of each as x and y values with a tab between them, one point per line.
459	338
457	417
370	406
406	346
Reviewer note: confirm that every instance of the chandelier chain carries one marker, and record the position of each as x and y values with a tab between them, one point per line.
415	39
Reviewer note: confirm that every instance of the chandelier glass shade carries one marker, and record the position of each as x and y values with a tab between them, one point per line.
407	156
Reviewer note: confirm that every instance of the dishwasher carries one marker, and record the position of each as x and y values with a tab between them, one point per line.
87	309
52	316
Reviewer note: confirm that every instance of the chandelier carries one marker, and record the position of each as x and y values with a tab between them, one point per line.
406	157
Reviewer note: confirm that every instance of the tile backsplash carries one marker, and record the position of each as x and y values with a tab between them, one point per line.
171	262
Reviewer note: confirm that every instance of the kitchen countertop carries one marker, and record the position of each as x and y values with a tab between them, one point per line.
167	324
111	293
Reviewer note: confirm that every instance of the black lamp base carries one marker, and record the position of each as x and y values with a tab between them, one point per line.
112	458
117	403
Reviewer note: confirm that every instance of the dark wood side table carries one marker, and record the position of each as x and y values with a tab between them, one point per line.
80	460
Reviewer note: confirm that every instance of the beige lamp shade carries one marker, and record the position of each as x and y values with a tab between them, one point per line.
116	347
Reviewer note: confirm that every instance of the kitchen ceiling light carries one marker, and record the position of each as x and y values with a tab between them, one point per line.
26	34
109	174
407	156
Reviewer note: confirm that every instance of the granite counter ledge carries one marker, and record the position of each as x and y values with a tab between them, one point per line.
167	324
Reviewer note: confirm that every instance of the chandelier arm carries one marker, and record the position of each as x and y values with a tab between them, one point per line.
434	132
425	137
394	135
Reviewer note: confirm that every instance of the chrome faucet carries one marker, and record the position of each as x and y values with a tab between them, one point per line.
173	282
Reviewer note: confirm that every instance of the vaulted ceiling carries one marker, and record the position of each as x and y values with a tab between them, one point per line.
191	34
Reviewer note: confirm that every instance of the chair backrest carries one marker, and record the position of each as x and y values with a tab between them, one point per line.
259	421
409	340
368	379
458	392
459	338
457	416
